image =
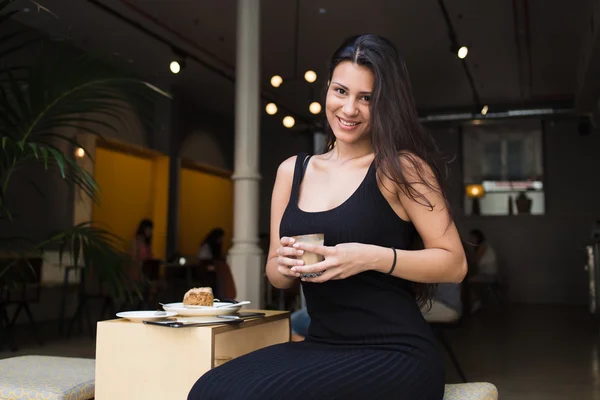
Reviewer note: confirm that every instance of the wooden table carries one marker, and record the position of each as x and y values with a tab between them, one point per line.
138	361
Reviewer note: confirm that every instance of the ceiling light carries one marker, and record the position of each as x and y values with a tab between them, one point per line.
484	110
271	108
315	107
175	67
289	122
80	152
462	52
310	76
276	81
322	11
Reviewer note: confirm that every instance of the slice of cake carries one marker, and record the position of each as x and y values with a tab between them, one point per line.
199	297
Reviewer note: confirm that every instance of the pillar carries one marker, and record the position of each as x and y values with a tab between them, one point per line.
245	256
166	139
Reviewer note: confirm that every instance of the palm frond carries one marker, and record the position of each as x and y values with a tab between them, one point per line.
99	251
16	155
19	249
36	104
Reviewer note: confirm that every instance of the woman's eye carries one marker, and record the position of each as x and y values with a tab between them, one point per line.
366	98
340	91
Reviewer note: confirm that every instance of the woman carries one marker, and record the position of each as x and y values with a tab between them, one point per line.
142	247
484	258
212	246
211	254
376	187
483	282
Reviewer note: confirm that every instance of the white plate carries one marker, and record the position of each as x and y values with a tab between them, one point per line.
196	311
139	316
207	319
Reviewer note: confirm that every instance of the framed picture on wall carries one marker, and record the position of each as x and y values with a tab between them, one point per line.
503	170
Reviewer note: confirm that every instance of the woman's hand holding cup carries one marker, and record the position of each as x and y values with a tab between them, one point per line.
286	257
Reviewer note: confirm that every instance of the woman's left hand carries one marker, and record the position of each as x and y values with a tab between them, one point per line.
340	262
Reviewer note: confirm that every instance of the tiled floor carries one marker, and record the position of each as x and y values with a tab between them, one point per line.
531	352
528	352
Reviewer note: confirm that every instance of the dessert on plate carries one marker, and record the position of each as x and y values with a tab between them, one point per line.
199	297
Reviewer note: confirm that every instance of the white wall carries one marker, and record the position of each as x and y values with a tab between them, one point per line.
202	147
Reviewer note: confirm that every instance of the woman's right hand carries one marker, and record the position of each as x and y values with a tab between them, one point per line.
286	258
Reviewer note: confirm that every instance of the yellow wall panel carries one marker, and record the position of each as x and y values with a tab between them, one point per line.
132	188
160	206
205	202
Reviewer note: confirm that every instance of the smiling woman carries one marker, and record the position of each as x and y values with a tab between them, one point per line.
348	102
372	194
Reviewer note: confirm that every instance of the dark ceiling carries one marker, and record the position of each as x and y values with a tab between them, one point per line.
522	52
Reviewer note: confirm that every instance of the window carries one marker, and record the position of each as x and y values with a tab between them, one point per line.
503	167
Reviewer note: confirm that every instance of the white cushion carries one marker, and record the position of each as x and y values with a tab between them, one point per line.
471	391
47	378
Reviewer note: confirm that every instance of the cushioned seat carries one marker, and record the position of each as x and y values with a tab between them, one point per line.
471	391
47	378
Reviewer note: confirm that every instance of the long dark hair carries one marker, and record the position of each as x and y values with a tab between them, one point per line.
396	132
141	230
216	245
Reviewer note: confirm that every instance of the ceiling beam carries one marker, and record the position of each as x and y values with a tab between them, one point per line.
454	45
587	92
522	32
265	95
501	106
547	109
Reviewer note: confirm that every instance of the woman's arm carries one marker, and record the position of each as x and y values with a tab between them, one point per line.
443	259
279	200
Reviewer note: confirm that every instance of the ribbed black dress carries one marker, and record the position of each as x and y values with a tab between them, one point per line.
367	338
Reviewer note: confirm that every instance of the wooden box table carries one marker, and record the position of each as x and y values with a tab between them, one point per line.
139	361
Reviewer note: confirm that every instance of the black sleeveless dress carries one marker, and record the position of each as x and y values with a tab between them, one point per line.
367	337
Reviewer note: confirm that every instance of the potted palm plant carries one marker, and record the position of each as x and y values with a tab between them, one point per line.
38	102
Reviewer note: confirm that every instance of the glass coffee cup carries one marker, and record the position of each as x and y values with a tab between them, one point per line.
308	257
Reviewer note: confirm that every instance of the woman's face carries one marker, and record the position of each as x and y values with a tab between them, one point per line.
148	232
347	102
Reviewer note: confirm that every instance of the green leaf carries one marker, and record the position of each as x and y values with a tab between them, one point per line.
60	161
34	147
44	152
98	249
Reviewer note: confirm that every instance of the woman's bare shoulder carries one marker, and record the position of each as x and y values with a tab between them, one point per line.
286	168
